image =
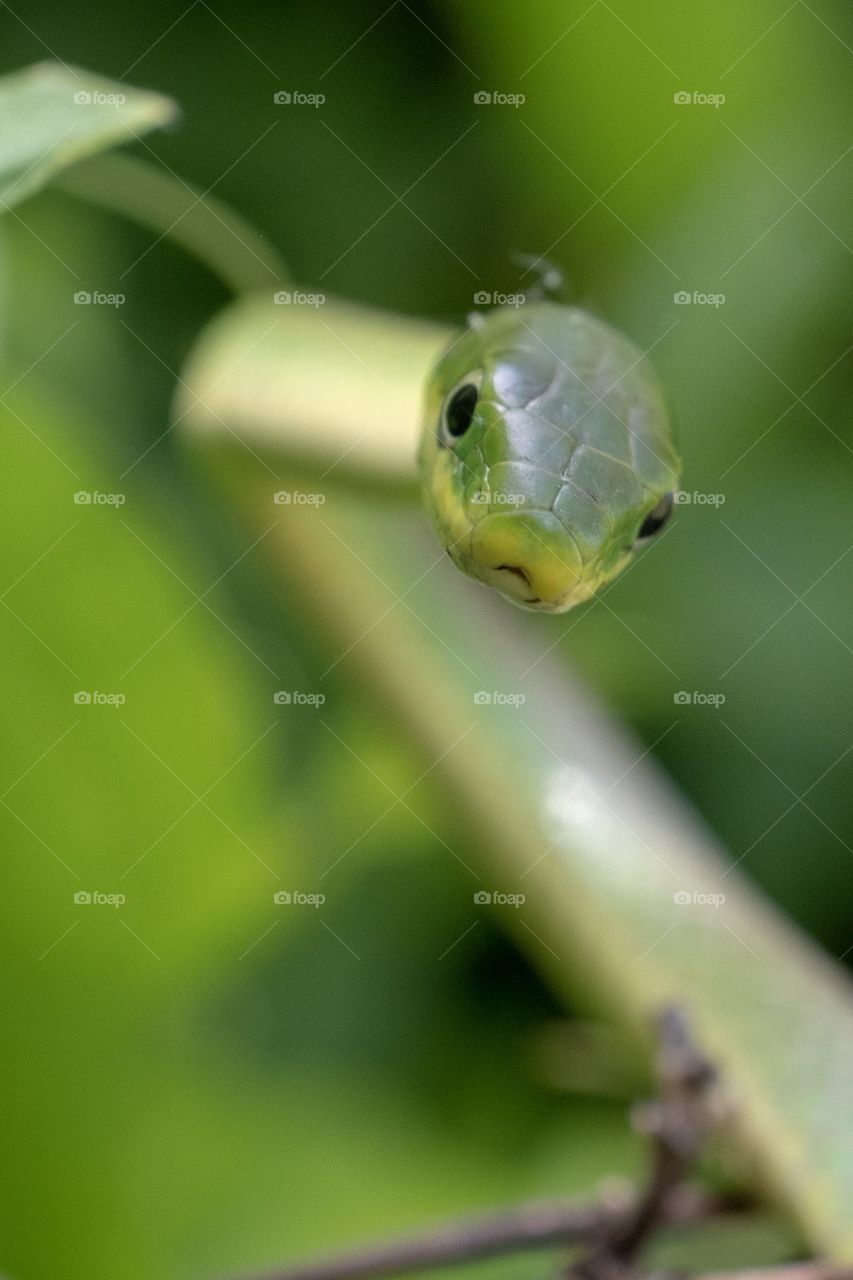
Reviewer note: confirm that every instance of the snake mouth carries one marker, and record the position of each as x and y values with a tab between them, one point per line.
523	575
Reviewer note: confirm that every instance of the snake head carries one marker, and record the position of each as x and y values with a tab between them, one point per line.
546	454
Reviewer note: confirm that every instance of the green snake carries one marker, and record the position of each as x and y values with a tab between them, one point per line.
546	454
565	415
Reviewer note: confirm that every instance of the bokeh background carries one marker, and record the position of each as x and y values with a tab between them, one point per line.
194	1083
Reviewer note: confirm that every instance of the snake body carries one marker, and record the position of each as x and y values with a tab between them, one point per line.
546	453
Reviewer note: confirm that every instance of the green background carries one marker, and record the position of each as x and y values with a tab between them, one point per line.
198	1083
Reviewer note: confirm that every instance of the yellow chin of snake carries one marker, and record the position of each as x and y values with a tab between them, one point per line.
525	554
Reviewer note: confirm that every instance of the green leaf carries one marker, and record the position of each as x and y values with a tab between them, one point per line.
52	115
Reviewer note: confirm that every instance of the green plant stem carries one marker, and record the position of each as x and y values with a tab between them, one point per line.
204	226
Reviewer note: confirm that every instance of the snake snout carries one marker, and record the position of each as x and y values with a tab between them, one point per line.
528	558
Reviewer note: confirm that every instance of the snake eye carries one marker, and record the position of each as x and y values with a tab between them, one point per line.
458	412
656	518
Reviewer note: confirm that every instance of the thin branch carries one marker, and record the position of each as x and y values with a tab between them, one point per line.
677	1123
614	1229
527	1227
815	1270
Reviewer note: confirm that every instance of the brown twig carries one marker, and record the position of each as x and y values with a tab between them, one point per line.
677	1124
614	1229
525	1227
815	1270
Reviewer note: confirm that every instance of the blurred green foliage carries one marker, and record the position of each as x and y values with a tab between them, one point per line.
198	1082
